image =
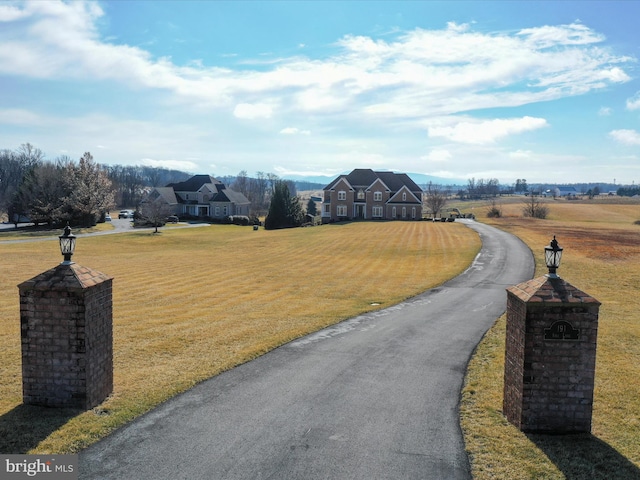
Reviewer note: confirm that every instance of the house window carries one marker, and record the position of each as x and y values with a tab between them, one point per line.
341	210
224	210
404	212
327	208
376	211
217	211
360	195
393	212
404	196
377	196
413	213
342	195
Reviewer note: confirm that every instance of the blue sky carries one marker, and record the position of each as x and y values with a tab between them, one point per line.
548	91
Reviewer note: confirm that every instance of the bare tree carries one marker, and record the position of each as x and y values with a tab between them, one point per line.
90	191
41	195
14	165
154	210
534	208
435	198
495	210
241	183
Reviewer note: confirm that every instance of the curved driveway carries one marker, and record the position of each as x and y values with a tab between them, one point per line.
374	397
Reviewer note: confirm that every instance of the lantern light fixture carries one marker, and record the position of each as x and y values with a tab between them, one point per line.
552	256
67	245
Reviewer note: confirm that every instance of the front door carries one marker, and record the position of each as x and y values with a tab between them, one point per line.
360	209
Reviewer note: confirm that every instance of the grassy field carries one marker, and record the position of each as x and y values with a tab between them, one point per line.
190	303
602	257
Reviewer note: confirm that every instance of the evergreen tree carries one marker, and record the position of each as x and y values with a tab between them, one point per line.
284	211
311	207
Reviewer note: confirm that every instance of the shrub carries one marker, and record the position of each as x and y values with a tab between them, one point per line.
533	208
238	220
494	210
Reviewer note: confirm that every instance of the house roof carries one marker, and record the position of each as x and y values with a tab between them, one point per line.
226	195
168	194
397	198
194	184
363	177
219	191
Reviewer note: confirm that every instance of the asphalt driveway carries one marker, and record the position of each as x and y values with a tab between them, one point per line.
374	397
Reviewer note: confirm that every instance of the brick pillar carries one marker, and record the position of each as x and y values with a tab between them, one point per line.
550	356
66	330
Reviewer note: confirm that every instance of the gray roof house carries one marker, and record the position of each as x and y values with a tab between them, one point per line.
202	196
365	194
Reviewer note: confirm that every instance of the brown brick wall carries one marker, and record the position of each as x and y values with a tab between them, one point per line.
549	381
67	341
514	360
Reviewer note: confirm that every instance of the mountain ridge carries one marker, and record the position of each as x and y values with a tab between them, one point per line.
419	178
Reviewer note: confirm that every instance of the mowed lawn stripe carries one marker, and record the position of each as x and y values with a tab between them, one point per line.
191	303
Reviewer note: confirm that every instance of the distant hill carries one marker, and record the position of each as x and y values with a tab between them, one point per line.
422	180
321	181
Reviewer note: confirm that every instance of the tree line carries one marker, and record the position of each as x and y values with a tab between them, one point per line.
53	193
63	190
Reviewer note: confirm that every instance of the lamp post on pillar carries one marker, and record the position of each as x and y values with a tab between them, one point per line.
67	245
552	257
66	329
550	353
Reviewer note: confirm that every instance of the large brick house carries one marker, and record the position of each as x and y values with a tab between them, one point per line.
365	194
201	196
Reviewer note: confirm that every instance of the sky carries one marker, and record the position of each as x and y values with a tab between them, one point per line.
547	91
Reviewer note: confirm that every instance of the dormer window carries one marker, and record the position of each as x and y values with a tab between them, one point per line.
360	194
404	196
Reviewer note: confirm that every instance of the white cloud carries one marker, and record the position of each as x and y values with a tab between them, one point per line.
294	131
16	116
252	111
626	137
633	103
549	35
183	165
418	74
438	155
605	111
488	131
9	13
521	155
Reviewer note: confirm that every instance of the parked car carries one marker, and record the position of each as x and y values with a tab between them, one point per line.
107	218
172	219
125	214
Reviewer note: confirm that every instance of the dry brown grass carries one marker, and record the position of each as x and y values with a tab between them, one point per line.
190	303
601	257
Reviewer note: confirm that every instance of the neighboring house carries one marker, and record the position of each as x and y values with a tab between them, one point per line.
202	196
561	192
365	194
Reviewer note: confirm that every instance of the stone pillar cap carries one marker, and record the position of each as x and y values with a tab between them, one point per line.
546	290
65	277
